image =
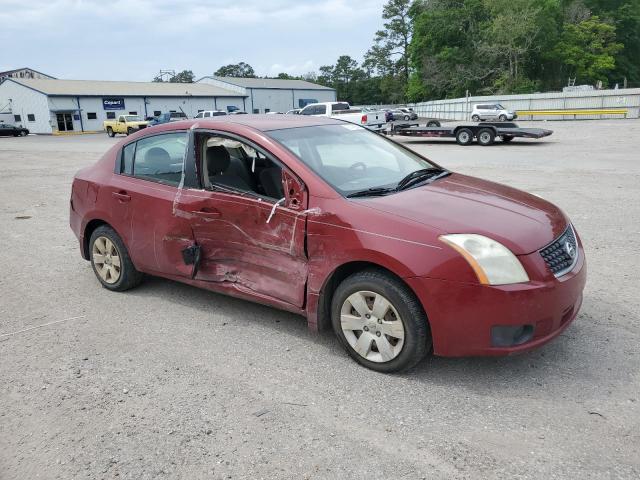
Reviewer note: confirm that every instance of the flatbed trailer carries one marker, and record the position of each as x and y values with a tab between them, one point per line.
485	133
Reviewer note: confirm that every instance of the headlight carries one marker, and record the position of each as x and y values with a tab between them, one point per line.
493	263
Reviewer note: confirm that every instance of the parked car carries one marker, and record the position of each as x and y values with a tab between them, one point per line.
343	111
328	220
126	124
404	114
210	113
12	131
492	111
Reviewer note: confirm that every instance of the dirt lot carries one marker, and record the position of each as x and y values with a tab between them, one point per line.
168	381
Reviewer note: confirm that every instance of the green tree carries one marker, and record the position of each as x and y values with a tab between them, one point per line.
508	39
625	16
588	49
389	56
185	76
236	70
444	49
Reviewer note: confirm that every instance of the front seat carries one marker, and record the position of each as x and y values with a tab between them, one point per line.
271	180
218	161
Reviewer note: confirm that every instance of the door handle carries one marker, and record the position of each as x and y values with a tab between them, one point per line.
122	196
208	213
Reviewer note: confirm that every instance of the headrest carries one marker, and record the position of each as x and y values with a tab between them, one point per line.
218	159
157	156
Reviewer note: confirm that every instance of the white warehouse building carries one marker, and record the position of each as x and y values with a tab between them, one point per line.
266	95
49	106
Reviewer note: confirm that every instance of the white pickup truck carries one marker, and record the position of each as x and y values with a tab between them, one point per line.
374	120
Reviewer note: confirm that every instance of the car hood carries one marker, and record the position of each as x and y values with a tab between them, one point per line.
461	204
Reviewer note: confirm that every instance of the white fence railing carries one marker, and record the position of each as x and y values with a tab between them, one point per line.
580	104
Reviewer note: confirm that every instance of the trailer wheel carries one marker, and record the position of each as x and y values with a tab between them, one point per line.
507	138
486	136
464	136
475	118
433	123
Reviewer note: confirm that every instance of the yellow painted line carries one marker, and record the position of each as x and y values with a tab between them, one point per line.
601	111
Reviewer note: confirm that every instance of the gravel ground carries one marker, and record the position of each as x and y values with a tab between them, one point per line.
168	381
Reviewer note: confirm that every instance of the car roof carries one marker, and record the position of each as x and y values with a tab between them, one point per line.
261	122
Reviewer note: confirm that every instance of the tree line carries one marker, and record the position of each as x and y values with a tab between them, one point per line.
432	49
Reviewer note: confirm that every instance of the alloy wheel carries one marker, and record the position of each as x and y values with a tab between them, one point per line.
106	260
372	326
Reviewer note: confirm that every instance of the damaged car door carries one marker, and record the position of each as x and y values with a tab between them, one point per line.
149	180
250	222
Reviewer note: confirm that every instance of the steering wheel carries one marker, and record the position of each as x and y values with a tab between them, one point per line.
359	165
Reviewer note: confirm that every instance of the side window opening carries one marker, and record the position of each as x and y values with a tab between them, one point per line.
232	165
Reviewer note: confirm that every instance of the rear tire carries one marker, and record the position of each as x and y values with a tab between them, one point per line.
110	132
433	123
130	131
475	118
111	261
486	137
464	136
396	340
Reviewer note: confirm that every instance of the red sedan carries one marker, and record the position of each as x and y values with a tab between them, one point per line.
331	221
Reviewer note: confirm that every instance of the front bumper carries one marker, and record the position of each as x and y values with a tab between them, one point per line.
462	315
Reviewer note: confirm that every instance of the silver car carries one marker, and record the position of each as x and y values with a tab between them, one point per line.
492	111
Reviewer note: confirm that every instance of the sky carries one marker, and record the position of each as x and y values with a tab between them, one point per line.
134	39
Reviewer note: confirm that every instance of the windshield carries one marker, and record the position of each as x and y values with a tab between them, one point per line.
350	158
499	107
132	118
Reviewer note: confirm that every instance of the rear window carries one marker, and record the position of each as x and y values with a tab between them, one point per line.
158	158
340	106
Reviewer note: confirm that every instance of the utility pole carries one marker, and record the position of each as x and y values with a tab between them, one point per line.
166	75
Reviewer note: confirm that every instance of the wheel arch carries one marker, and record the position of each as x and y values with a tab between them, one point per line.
89	228
341	272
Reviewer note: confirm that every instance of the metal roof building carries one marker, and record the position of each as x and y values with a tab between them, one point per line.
273	94
24	72
57	106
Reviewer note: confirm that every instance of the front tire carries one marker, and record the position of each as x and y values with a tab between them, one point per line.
111	261
24	133
380	322
407	118
475	118
433	123
502	118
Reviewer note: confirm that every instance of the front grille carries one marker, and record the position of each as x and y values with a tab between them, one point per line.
562	254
